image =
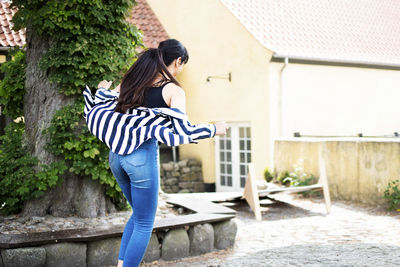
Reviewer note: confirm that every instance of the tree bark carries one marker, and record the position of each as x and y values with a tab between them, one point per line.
42	99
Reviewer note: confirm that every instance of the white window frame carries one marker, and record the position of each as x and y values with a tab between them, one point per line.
234	126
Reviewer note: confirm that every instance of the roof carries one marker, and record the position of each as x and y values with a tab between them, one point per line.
356	31
141	15
144	18
9	38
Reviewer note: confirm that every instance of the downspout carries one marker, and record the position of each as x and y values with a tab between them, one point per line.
280	96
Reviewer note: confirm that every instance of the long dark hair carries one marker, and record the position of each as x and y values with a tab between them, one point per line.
142	73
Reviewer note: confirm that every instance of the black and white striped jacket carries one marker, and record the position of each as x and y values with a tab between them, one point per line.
123	133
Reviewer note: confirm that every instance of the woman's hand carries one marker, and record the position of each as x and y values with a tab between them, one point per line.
221	127
104	84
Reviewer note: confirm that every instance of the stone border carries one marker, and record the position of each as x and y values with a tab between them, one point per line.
165	244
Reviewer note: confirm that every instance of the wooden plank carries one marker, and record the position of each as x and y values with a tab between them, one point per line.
324	181
191	219
199	205
293	189
210	196
86	234
70	235
250	193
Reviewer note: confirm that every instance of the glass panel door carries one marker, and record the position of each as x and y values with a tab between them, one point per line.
245	153
225	159
233	153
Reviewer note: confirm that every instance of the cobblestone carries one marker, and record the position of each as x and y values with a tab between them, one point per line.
296	231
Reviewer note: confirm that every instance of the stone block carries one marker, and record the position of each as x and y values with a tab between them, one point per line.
168	166
169	190
23	257
171	181
189	177
66	255
185	185
184	191
103	252
175	174
198	187
186	169
153	251
193	162
183	163
196	169
201	239
175	189
175	245
225	234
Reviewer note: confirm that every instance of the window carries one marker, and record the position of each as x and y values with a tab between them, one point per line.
233	153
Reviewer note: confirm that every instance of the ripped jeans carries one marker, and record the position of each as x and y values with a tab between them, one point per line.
138	176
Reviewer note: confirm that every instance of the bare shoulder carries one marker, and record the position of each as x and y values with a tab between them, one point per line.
175	96
172	89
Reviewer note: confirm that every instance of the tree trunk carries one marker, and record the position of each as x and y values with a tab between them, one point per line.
76	195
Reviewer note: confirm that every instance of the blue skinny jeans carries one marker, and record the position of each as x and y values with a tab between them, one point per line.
138	176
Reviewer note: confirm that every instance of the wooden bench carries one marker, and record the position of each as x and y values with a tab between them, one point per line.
252	195
99	233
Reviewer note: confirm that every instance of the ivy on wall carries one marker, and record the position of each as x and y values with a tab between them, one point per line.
90	41
21	178
12	87
86	155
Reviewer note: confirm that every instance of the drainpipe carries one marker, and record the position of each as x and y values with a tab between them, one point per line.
280	96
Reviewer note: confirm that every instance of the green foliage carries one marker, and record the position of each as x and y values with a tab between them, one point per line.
86	155
91	39
298	178
20	181
392	195
268	175
12	87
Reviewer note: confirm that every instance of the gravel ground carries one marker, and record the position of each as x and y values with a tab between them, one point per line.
296	231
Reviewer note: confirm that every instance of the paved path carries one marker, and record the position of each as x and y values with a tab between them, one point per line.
301	234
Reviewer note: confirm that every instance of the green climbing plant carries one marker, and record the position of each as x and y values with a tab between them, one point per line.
90	41
22	178
86	155
12	87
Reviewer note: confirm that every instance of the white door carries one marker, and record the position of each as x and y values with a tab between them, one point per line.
233	153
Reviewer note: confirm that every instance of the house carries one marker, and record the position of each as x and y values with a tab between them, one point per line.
277	68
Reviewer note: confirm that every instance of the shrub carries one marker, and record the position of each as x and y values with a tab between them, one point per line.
22	179
392	195
268	175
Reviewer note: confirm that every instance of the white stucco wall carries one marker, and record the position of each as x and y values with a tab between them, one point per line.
336	100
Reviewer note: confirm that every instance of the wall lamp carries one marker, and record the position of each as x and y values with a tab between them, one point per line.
227	77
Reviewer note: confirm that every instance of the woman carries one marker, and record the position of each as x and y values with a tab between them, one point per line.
150	82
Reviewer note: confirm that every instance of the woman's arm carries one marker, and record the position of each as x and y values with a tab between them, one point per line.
178	97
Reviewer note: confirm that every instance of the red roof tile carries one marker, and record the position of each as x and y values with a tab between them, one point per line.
141	15
356	31
144	18
8	37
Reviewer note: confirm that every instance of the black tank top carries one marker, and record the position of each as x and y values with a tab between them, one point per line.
153	97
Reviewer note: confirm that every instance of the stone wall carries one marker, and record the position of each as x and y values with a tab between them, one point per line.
358	169
184	176
166	245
